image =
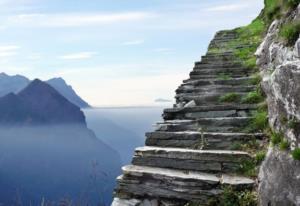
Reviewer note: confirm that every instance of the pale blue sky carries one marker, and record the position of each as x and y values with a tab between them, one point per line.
114	52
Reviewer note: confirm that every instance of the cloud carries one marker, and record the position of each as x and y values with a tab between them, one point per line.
78	56
75	19
227	8
134	42
8	50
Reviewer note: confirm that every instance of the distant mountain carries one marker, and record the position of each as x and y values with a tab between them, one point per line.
67	91
39	104
161	100
14	84
47	152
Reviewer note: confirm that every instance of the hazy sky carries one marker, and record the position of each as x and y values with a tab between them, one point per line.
114	52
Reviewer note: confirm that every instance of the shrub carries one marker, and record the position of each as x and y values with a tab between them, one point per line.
231	97
276	138
290	33
296	154
260	156
252	98
284	144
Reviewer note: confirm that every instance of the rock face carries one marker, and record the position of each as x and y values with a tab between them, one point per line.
190	156
38	104
14	84
280	68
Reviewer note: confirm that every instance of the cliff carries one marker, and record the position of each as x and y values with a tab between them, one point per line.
215	147
279	62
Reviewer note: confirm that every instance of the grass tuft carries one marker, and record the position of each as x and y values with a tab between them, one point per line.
230	97
284	145
290	32
252	98
296	154
260	157
276	138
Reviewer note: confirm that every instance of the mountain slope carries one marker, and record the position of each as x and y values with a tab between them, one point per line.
67	91
12	84
39	103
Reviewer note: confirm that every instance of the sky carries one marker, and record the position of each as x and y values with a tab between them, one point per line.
114	53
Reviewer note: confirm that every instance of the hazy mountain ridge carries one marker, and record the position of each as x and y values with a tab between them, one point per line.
15	83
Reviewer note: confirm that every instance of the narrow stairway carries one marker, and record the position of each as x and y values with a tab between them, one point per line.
190	157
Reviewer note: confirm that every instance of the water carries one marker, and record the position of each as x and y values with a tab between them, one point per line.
123	128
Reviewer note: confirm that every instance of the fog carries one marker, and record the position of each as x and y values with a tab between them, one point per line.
55	163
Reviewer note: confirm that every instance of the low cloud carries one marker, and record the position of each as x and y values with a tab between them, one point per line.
78	56
8	50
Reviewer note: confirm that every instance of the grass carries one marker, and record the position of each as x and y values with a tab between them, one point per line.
284	145
259	121
248	168
296	154
252	98
276	138
230	97
260	157
255	79
290	32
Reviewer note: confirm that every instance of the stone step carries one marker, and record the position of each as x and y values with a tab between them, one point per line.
224	124
211	111
192	139
222	71
217	64
218	81
216	76
215	88
210	161
142	181
205	98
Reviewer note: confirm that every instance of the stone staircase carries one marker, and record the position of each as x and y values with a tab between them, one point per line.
190	156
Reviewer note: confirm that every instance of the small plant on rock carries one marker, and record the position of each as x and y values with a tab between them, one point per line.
296	154
276	138
252	98
260	157
231	97
290	32
284	145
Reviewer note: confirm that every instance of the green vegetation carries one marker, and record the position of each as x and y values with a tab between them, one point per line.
290	32
223	76
296	154
248	168
230	97
260	121
274	9
260	157
284	145
293	124
276	138
253	98
231	197
255	79
293	3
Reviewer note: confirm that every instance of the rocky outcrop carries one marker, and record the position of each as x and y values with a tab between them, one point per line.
280	68
190	156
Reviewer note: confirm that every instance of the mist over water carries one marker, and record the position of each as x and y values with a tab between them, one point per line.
123	128
52	163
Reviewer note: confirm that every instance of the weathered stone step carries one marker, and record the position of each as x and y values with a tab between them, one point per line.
217	64
210	161
224	110
230	81
142	182
222	71
192	139
224	124
215	88
205	98
216	76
